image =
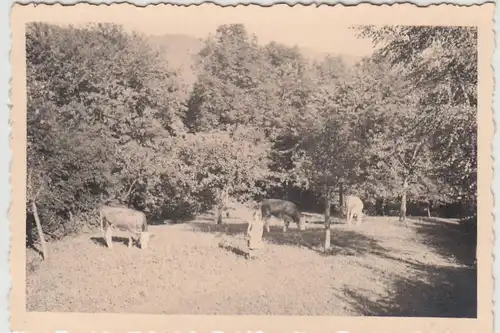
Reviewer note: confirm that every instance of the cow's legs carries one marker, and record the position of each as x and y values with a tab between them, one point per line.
286	223
266	224
358	218
108	237
349	217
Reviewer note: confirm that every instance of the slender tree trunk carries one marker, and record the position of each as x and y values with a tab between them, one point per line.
218	213
341	197
40	232
221	203
428	208
127	194
384	206
328	232
402	209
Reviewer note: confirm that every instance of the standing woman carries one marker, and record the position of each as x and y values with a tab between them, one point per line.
255	231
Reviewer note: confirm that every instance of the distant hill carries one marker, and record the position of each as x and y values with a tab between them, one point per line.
180	49
349	59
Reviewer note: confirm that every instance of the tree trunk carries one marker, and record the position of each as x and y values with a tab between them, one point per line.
40	232
126	195
341	197
327	219
384	206
428	209
402	209
218	213
221	203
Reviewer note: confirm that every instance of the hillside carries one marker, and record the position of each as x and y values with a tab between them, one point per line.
180	51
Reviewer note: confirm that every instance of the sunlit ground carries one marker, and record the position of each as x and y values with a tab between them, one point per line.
377	268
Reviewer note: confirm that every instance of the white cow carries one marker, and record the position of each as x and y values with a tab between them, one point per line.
353	206
124	219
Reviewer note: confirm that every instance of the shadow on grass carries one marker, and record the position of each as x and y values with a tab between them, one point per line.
345	242
448	239
431	291
446	292
319	218
35	249
231	248
115	239
176	220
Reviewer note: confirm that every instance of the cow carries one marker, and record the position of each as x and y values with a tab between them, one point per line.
124	219
282	209
353	206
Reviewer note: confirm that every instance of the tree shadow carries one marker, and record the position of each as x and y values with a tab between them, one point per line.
431	291
161	220
115	239
232	248
440	292
314	218
447	239
230	229
35	248
343	242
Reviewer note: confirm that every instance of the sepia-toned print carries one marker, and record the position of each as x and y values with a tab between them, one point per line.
237	166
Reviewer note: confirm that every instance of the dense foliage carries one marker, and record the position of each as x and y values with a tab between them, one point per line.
108	120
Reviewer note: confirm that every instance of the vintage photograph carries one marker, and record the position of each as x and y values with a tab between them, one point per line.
240	166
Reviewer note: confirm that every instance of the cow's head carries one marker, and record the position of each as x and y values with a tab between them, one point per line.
144	239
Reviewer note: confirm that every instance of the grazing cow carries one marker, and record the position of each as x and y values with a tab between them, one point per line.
124	219
282	209
353	206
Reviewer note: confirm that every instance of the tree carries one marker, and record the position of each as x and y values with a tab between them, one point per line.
327	155
106	95
441	64
219	161
228	88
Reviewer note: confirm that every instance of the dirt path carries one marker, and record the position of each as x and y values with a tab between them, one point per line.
380	268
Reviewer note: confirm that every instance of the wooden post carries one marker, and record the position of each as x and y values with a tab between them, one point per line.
402	208
328	231
40	231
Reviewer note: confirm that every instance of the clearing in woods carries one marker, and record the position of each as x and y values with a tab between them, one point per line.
380	268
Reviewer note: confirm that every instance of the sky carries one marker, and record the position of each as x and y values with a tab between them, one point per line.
319	29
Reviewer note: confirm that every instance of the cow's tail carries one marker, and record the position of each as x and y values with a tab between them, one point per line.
144	223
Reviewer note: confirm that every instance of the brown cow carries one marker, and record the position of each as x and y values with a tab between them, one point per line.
124	219
282	209
353	206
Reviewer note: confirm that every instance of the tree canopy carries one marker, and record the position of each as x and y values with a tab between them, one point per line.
108	119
